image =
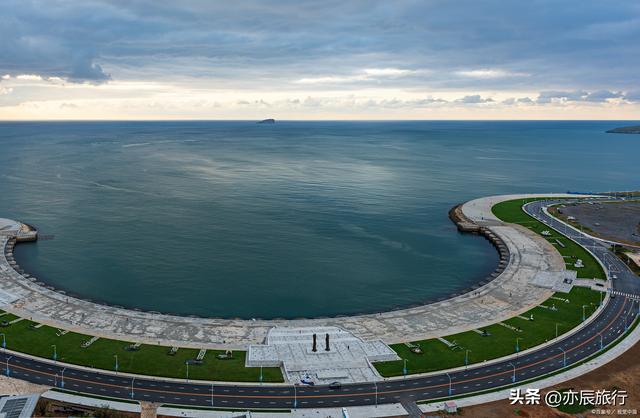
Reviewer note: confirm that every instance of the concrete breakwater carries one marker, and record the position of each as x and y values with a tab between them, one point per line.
463	223
27	233
8	253
467	225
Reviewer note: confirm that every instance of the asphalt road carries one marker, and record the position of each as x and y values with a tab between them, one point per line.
616	316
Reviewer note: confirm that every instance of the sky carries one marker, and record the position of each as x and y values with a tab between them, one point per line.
369	59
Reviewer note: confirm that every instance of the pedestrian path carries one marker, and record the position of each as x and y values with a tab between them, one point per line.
412	408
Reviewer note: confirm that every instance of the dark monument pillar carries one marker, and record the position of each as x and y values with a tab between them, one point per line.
314	349
326	340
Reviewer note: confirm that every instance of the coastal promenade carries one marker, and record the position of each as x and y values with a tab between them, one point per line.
524	280
592	338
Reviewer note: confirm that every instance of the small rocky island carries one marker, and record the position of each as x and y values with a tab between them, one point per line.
268	121
625	130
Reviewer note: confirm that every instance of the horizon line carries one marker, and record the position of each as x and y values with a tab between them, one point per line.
318	120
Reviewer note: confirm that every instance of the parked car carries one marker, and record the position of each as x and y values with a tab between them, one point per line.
307	381
335	385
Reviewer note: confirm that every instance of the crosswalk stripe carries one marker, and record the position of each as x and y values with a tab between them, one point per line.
619	293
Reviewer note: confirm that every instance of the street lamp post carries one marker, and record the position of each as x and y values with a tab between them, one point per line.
518	344
116	357
466	359
601	342
261	374
295	397
62	377
584	315
133	380
9	358
557	329
404	368
187	372
450	384
55	353
564	357
4	342
513	377
55	380
212	394
375	386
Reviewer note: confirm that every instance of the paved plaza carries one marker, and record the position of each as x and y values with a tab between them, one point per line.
347	360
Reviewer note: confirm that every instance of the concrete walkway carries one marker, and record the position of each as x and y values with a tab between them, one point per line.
386	410
509	294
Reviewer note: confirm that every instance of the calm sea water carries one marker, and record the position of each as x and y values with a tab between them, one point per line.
286	220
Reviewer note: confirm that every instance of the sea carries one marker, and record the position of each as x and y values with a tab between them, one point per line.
285	220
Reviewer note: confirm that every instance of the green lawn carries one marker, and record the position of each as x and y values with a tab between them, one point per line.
511	211
502	341
148	360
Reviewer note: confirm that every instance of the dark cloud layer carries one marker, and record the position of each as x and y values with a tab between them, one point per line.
548	45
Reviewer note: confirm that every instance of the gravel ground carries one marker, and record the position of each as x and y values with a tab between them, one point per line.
10	386
615	221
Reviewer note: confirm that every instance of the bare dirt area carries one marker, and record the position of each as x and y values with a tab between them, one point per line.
616	221
10	386
623	374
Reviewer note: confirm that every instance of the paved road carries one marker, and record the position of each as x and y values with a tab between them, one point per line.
616	316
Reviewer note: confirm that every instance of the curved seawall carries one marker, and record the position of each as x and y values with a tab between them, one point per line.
506	292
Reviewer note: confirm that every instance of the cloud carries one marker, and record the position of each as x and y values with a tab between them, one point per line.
404	103
54	39
29	77
429	101
254	103
461	42
368	74
603	95
331	79
632	96
474	99
490	73
569	51
86	70
386	72
599	96
559	96
521	100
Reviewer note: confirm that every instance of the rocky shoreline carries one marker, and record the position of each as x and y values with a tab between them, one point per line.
625	130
